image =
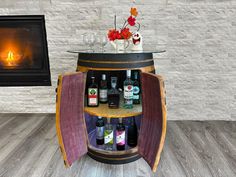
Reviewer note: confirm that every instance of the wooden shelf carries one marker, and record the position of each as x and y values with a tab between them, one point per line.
104	111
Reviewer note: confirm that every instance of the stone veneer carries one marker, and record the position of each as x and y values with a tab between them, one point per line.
199	36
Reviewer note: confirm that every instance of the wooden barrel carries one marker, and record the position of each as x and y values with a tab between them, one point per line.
115	61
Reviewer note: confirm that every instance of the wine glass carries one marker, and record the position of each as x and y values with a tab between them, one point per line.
89	39
103	41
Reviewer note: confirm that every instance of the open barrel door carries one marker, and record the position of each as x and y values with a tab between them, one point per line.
153	124
70	123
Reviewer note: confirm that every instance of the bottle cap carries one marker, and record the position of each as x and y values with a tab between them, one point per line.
128	73
103	76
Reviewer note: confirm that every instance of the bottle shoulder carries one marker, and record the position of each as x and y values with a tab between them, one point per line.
128	81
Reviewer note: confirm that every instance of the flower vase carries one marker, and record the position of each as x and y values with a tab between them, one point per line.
120	45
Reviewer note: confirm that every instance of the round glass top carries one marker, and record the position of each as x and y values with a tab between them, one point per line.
114	52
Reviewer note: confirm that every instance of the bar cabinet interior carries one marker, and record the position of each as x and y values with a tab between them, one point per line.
75	121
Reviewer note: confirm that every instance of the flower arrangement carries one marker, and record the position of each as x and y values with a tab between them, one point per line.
124	32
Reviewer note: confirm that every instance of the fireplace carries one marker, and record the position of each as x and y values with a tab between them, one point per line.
23	51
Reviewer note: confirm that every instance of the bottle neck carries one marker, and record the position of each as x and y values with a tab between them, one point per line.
132	120
93	80
108	120
128	74
103	77
120	120
113	82
113	85
135	76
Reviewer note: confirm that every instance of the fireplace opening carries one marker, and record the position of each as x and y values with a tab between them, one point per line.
23	51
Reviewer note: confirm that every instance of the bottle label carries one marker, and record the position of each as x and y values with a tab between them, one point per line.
120	137
92	96
103	94
128	92
108	136
136	90
100	133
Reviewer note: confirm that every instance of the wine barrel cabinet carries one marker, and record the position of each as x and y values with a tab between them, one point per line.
75	121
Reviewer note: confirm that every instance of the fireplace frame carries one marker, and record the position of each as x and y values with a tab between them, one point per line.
28	77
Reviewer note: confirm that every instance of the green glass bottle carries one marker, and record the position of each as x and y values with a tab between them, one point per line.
108	136
132	137
136	96
93	94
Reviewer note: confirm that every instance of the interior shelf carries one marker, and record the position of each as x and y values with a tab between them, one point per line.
104	111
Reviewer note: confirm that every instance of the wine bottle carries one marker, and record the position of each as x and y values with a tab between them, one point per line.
136	96
113	94
103	89
120	136
108	136
93	94
132	136
100	131
128	91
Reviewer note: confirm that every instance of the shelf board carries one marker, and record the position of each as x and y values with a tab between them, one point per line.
104	111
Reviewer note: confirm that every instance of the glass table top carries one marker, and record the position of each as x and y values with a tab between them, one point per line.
114	52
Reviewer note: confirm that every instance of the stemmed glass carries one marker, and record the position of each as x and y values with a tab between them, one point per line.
101	40
89	39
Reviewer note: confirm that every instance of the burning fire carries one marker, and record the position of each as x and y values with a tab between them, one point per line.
10	58
14	56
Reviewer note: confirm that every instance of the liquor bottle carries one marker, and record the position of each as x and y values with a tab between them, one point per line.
136	96
120	136
93	94
108	136
132	136
100	131
103	90
113	94
128	91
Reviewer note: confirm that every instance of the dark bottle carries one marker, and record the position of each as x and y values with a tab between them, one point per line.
103	90
100	131
136	89
132	136
93	94
113	94
120	136
128	91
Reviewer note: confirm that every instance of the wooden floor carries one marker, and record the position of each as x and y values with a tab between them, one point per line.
28	147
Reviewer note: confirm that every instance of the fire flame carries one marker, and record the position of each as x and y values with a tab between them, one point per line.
10	58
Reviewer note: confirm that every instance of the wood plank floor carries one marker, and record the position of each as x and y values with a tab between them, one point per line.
28	148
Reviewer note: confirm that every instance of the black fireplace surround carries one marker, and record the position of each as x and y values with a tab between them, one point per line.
23	51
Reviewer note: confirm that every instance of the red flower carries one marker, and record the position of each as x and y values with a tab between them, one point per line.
125	33
131	21
113	35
